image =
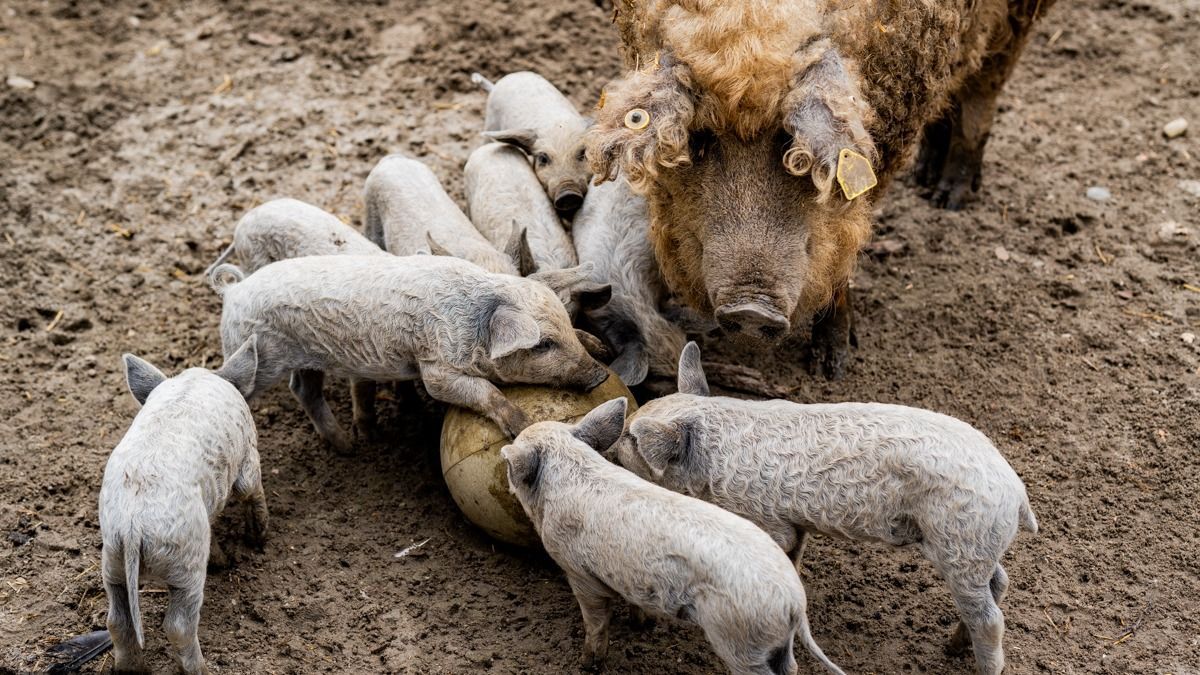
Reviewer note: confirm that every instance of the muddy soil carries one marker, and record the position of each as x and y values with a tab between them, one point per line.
1058	325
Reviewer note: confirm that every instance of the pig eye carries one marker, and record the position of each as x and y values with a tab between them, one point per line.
582	154
544	346
541	158
637	119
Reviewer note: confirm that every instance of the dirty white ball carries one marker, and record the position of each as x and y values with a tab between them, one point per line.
474	470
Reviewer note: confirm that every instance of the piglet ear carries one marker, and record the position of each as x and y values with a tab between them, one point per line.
659	443
522	139
435	248
518	249
511	330
594	346
603	425
524	466
691	379
241	368
826	115
141	377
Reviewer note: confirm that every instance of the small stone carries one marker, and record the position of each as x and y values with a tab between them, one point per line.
265	39
1098	194
1188	338
1192	187
1125	295
1176	127
1172	232
18	82
1002	253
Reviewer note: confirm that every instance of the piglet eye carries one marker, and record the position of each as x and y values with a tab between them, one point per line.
582	154
545	345
541	158
637	119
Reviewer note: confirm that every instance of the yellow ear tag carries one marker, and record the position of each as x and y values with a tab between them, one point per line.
854	173
637	119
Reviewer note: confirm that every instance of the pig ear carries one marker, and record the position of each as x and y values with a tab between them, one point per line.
574	284
691	379
522	139
643	123
241	368
660	444
435	248
511	330
524	466
826	116
603	425
518	249
141	377
632	365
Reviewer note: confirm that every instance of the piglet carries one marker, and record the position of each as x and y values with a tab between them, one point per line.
408	212
526	111
444	321
191	447
503	193
611	231
863	471
618	536
289	228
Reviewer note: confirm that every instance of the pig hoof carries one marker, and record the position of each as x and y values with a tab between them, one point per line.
640	620
342	445
829	358
953	195
960	642
592	663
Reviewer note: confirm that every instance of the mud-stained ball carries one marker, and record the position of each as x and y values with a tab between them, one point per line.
474	470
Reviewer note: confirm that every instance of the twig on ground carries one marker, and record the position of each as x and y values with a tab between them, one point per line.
744	379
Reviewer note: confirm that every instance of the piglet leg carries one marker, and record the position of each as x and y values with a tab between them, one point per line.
595	602
475	393
307	386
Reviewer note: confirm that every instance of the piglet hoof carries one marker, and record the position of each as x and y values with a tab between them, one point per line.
514	423
960	642
256	536
592	663
366	431
341	444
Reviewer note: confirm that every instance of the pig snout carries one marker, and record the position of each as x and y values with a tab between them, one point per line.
757	319
568	198
596	378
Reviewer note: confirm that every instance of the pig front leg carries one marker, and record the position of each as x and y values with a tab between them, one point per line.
476	393
832	336
595	603
307	386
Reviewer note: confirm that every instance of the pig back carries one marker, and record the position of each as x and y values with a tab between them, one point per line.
660	549
289	228
189	441
502	190
525	100
405	202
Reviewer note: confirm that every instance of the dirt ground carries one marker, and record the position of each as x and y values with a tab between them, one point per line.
1057	324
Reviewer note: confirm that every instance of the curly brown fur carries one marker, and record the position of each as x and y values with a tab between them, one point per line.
749	101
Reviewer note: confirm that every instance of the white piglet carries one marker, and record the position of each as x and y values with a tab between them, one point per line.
191	447
619	537
611	231
863	471
504	196
441	320
290	228
409	212
526	111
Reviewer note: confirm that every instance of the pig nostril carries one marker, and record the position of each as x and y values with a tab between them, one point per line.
752	319
770	332
568	201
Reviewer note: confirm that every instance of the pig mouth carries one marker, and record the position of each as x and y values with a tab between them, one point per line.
752	320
